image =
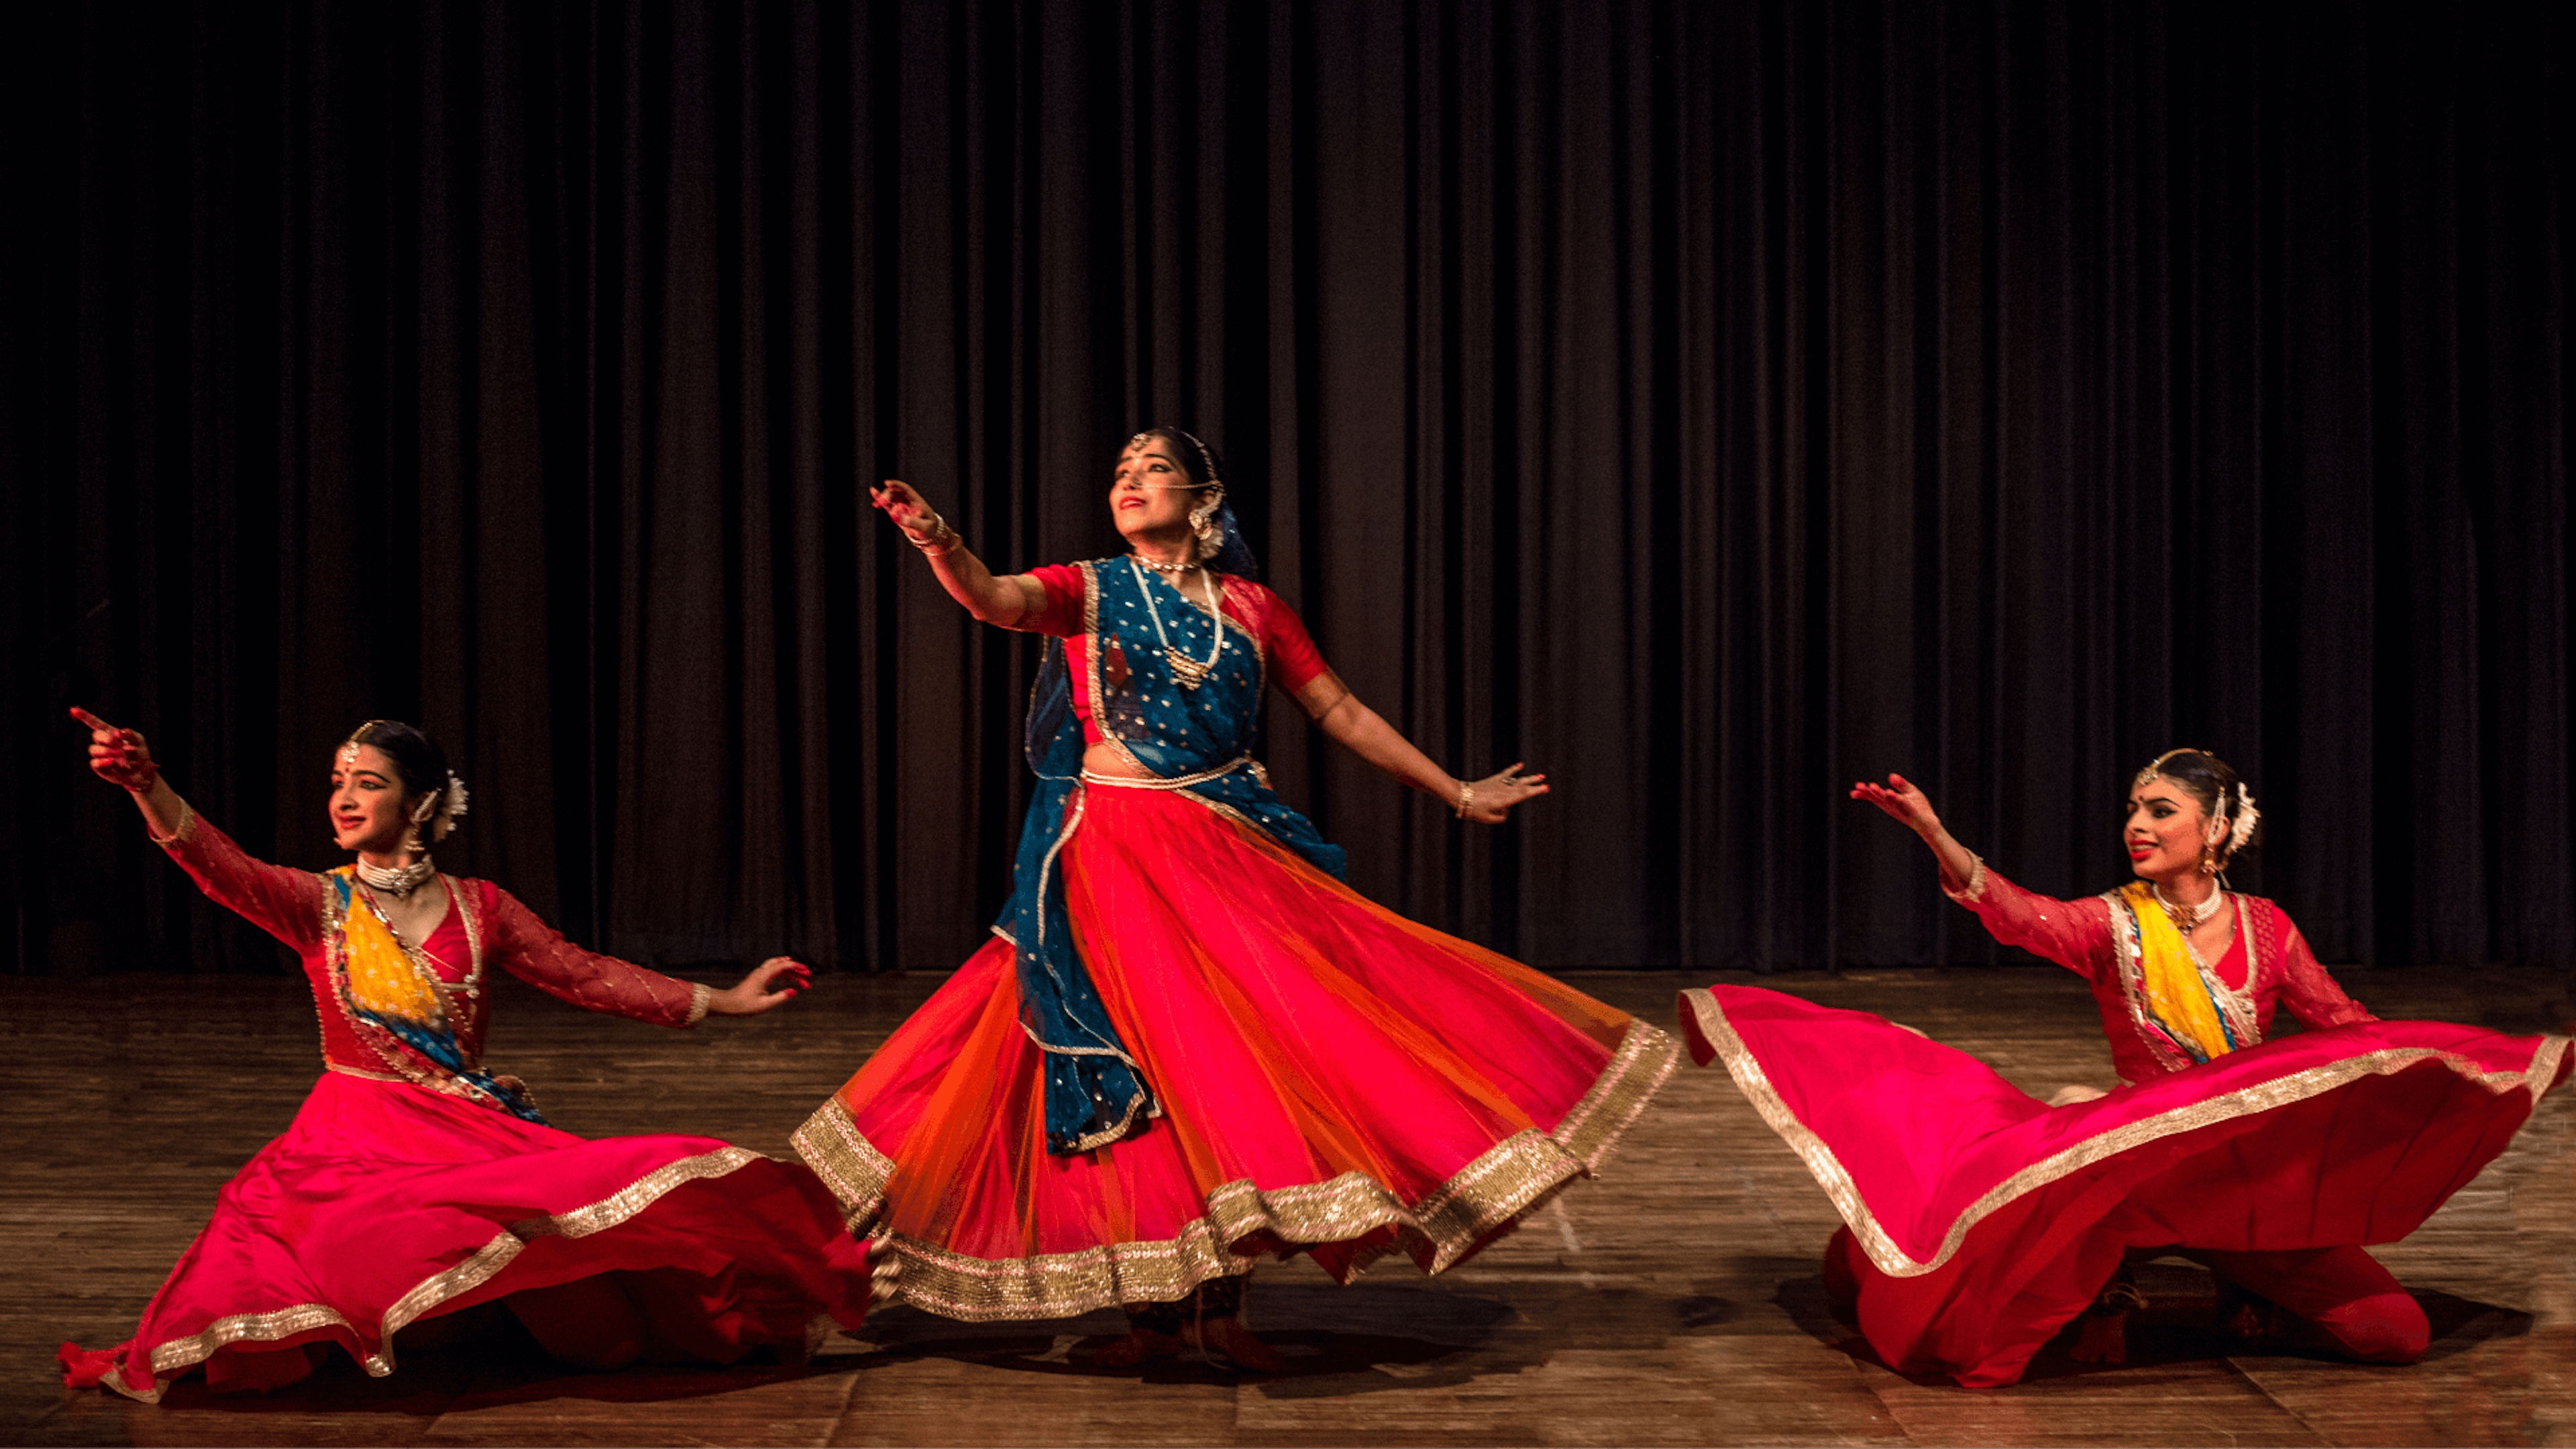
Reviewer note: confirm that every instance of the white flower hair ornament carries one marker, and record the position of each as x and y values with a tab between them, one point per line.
441	811
2241	830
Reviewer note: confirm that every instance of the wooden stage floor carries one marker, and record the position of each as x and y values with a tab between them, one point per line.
1675	1301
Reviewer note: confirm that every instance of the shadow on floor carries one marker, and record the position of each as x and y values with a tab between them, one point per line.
2177	1327
1338	1341
499	1363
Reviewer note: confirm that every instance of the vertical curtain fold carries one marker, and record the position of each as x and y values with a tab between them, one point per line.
1708	405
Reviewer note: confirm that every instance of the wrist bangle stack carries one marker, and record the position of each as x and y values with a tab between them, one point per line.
942	538
1466	798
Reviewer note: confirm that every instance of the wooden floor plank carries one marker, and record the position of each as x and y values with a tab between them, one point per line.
1673	1301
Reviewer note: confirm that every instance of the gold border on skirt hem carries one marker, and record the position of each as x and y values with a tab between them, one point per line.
1500	1185
849	1164
2261	1097
171	1357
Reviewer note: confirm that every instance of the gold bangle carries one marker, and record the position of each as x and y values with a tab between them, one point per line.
943	539
1466	797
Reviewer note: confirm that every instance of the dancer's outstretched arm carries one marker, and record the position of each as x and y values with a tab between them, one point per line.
2074	934
1907	806
1360	730
1003	599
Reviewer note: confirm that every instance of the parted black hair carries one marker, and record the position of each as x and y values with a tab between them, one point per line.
418	760
1198	459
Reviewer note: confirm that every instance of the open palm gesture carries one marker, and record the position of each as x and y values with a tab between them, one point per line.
1903	803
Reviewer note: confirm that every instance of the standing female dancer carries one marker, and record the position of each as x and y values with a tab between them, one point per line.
413	1183
1980	1221
1192	1043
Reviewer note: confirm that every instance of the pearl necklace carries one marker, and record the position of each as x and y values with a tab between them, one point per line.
398	881
1189	673
2188	918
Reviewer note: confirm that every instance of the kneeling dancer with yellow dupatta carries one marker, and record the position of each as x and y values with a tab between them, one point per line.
1979	1221
413	1184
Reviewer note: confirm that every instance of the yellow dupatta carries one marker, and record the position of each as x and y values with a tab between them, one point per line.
384	981
2177	990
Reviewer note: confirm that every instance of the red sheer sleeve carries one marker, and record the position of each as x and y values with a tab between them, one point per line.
538	954
1294	660
2306	990
1062	615
283	901
2074	934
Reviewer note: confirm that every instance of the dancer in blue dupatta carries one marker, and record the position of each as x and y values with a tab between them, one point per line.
1190	1042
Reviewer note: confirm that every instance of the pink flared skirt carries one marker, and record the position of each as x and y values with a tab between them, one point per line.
1331	1078
385	1204
1985	1219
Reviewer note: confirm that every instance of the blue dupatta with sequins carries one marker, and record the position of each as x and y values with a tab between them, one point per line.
1198	742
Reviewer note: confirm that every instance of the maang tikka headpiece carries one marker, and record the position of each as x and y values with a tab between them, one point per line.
2156	767
357	737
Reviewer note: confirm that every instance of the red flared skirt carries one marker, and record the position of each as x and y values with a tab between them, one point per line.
385	1204
1989	1219
1331	1077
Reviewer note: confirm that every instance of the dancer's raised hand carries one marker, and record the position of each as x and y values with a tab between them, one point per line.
119	756
1907	806
1904	803
899	501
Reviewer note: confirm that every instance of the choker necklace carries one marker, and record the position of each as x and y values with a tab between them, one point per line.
400	881
1160	567
2188	917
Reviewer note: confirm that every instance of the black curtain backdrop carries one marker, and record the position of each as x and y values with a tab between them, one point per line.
1708	404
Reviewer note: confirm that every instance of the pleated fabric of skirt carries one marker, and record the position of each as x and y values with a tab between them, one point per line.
1986	1219
1330	1077
385	1204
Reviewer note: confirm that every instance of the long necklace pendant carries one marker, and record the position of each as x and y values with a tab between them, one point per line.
1187	672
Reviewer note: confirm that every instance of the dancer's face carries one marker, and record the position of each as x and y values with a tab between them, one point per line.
2166	830
1150	495
368	811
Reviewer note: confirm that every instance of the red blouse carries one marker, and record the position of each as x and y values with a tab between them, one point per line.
2079	936
484	925
1288	653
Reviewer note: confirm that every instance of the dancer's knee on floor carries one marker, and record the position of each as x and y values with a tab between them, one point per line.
2382	1328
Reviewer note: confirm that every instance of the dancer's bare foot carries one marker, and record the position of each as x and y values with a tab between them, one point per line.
1228	1339
1141	1345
